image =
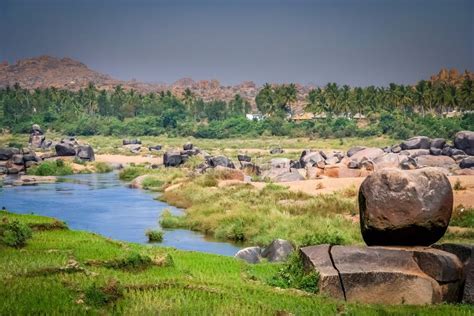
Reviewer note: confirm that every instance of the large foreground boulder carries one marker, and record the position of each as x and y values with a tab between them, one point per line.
405	207
385	275
465	141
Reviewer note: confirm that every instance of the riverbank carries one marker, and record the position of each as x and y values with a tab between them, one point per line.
61	271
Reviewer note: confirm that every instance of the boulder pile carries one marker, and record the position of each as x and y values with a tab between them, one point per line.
402	213
16	161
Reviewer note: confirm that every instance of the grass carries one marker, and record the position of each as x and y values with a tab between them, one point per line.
75	272
244	213
51	168
102	167
154	235
463	217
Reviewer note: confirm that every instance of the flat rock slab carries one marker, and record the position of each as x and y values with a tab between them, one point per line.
386	275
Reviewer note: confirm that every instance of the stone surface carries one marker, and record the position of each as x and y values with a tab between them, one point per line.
389	160
318	258
188	146
435	161
437	143
278	250
465	141
172	159
250	254
310	159
220	161
242	157
385	275
131	142
405	207
65	149
7	153
417	142
367	154
85	152
354	150
467	162
280	163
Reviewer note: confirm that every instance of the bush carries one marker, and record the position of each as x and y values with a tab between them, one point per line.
51	168
15	234
154	235
292	275
152	183
102	295
102	167
130	173
169	220
134	261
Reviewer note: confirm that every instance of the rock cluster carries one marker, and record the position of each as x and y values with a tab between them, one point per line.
277	251
70	147
16	161
402	213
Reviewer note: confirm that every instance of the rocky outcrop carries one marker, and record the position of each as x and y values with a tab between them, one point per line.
385	275
220	161
36	137
85	153
405	207
465	141
278	250
172	159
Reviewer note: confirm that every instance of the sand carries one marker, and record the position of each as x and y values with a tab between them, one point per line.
124	159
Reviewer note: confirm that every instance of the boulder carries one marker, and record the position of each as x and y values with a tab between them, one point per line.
220	161
465	141
456	152
396	149
36	140
172	159
249	168
467	162
36	129
389	160
437	143
310	159
85	152
367	153
275	151
295	164
354	150
408	163
65	149
435	151
278	250
133	148
8	152
280	163
435	161
155	148
405	207
242	157
417	142
318	258
131	142
385	275
342	171
468	293
47	144
413	153
283	175
188	146
250	254
17	159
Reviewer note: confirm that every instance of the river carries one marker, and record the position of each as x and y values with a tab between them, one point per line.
103	204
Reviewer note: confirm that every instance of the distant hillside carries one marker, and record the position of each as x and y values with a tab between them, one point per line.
66	73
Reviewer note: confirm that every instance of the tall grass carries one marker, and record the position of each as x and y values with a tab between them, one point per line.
51	168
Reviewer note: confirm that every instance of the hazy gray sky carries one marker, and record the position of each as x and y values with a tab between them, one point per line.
358	42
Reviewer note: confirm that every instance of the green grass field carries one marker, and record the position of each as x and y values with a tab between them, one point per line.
61	271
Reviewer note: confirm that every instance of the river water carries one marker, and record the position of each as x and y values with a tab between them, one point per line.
102	204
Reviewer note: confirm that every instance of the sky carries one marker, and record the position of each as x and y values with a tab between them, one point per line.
355	42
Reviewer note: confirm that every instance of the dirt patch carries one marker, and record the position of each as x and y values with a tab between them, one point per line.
123	159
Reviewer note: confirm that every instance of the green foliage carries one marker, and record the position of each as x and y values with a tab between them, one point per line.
152	183
293	275
51	168
154	235
103	295
130	173
169	220
15	234
102	167
134	261
463	217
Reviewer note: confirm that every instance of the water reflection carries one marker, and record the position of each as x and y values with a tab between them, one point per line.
102	204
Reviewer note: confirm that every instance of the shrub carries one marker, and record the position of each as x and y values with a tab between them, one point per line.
292	275
130	173
15	234
51	168
102	295
169	220
134	261
152	182
463	217
102	167
458	185
154	235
